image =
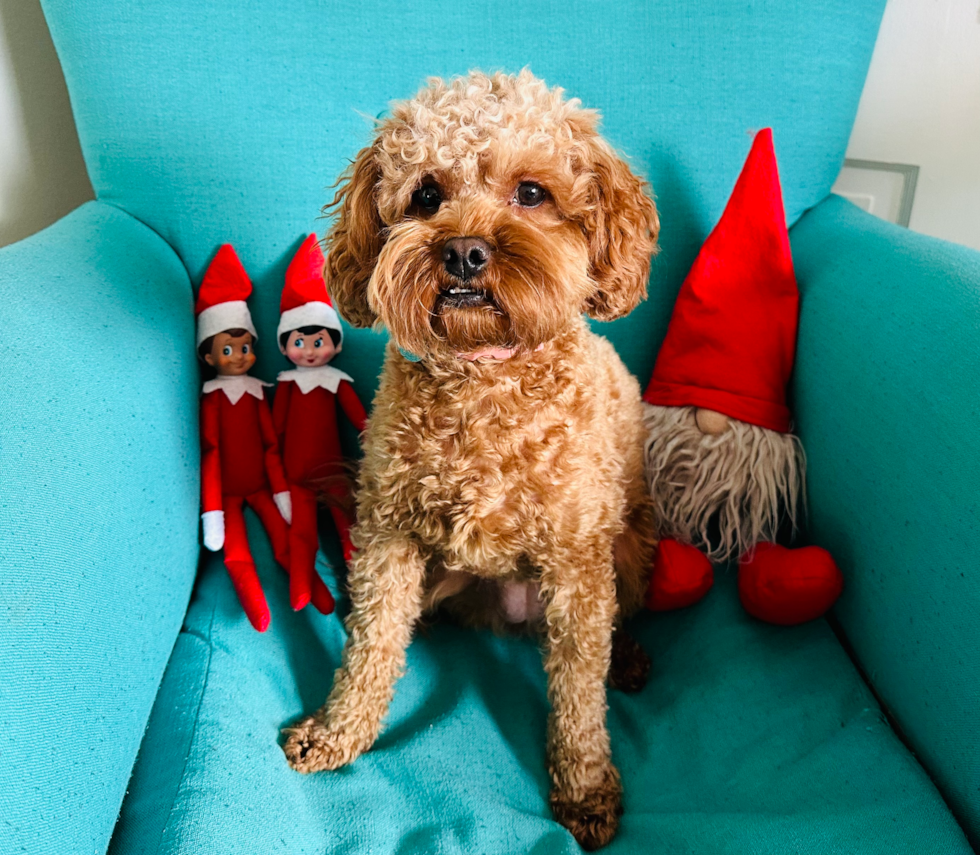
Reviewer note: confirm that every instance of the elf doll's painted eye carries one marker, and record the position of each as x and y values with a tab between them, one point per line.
318	343
226	350
298	342
246	350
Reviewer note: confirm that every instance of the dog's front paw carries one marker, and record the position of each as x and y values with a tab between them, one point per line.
593	815
313	746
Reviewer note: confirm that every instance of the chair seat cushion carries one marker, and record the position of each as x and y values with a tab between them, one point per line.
747	738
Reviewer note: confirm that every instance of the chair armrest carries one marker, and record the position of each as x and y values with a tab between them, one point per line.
98	515
887	399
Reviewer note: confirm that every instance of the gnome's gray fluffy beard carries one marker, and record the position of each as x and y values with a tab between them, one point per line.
723	493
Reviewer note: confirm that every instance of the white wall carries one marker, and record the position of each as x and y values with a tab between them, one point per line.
921	105
42	176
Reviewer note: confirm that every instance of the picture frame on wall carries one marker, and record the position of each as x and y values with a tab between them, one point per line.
886	190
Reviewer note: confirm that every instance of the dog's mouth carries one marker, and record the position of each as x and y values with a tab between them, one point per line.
465	297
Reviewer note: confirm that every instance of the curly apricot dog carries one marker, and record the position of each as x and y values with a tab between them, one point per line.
503	472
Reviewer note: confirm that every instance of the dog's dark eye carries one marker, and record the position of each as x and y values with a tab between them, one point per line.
530	195
428	198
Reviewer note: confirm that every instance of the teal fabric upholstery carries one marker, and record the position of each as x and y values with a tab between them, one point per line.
98	493
888	403
748	739
218	121
207	122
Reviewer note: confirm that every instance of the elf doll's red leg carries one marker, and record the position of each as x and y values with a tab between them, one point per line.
340	495
788	586
342	525
303	543
273	523
241	566
279	533
320	595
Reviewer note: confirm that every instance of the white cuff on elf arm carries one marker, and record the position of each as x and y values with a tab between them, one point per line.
213	523
285	504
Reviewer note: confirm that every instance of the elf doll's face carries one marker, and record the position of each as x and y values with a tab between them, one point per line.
231	355
310	350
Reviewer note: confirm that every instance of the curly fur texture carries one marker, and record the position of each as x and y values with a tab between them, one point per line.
481	474
724	493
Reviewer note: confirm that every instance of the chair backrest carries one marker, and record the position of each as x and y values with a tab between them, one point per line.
223	120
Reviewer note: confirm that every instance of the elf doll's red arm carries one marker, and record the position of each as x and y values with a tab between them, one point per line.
210	456
352	405
273	462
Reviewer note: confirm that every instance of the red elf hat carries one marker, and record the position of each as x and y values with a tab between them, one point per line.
305	301
221	299
732	337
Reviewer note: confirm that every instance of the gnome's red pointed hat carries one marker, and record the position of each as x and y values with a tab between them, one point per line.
732	338
221	299
305	302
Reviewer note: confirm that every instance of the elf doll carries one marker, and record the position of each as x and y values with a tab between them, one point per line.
305	413
724	468
240	461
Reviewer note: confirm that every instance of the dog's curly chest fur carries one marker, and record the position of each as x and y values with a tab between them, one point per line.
492	452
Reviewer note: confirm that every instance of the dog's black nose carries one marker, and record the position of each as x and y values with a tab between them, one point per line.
464	257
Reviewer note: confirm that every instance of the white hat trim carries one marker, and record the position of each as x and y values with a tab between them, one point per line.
230	315
314	313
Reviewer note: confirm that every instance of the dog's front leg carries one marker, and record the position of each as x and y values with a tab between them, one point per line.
385	583
580	594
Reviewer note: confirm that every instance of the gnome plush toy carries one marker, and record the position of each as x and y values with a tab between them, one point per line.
723	466
305	412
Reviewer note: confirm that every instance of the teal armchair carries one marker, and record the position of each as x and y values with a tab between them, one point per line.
140	713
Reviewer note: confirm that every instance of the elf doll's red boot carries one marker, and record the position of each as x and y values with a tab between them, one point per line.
788	586
682	575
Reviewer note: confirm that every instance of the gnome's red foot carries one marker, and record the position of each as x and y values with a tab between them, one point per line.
682	575
788	586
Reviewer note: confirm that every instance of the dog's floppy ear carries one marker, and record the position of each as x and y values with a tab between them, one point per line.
355	240
622	227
